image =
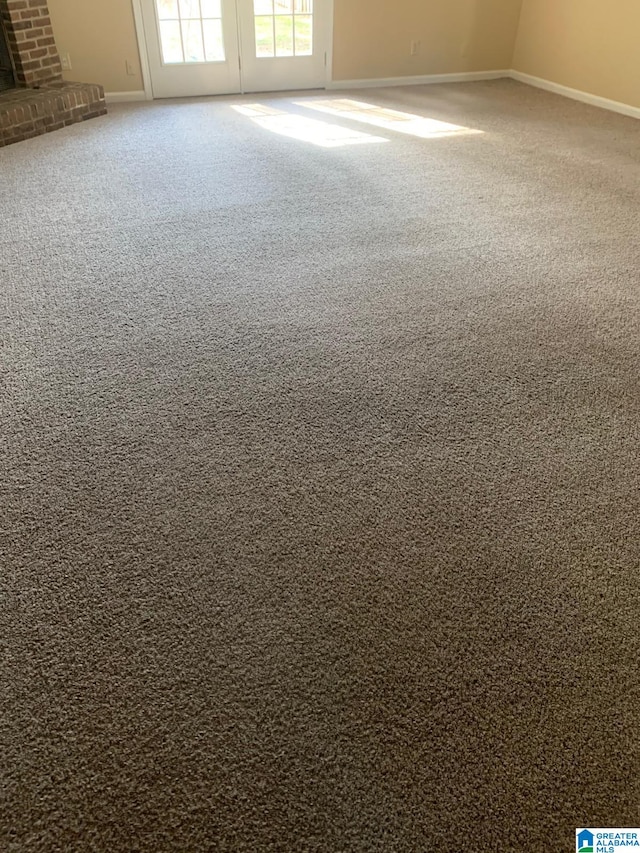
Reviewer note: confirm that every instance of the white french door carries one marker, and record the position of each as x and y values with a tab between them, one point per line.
192	47
213	47
283	44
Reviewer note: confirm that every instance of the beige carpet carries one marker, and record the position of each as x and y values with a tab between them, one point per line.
320	477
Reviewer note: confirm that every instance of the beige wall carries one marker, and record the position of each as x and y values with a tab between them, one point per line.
591	45
99	36
372	38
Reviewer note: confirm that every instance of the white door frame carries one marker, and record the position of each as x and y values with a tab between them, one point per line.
144	56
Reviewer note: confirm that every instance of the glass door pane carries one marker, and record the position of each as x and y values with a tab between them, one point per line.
283	28
190	31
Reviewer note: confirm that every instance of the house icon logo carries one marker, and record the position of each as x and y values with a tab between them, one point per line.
584	841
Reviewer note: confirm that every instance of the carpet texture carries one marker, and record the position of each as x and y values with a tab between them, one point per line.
320	479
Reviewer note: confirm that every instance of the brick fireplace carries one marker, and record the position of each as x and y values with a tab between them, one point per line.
34	98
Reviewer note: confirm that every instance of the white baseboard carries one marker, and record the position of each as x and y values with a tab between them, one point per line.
576	94
463	77
469	76
381	82
124	97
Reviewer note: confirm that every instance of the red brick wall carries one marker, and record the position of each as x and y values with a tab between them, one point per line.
31	41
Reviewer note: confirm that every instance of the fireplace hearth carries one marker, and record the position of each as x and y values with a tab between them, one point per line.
34	98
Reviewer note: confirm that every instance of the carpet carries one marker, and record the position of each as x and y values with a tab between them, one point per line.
320	493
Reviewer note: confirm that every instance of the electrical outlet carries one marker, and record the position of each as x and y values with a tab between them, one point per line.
65	61
131	69
415	47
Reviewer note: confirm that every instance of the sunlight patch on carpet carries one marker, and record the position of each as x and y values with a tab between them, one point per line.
305	129
408	123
